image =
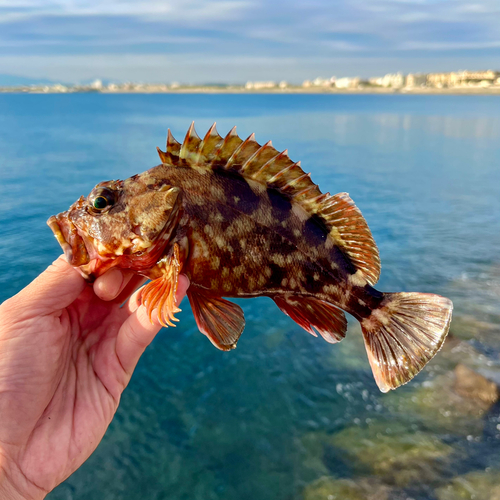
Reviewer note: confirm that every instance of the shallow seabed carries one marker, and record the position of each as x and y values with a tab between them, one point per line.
288	416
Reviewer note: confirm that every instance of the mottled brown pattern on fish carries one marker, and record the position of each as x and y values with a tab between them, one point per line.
244	220
241	223
271	225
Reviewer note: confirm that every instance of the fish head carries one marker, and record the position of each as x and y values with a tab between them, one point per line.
126	224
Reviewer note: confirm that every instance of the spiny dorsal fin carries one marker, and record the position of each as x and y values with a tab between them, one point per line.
264	164
259	158
208	146
173	147
172	153
189	148
226	149
163	156
242	153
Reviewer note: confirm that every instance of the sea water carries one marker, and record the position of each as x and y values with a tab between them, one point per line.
286	415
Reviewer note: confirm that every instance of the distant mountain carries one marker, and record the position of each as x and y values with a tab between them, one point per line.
14	81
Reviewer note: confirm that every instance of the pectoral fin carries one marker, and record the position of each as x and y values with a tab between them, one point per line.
160	293
314	314
220	320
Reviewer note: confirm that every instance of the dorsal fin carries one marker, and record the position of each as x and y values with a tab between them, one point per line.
189	148
352	234
264	164
163	156
224	151
259	158
208	146
244	151
173	147
172	153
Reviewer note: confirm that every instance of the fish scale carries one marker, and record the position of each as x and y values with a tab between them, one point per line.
244	220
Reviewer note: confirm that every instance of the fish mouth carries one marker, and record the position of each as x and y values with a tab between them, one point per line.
71	242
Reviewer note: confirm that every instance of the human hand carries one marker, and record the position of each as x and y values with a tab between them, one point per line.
67	352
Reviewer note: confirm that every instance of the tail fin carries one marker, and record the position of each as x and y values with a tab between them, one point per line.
403	334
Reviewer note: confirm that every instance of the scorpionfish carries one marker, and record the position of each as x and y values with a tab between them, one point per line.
243	220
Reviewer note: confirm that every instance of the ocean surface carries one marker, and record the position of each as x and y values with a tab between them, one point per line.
287	416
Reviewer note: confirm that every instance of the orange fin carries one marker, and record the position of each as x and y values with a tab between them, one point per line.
220	320
163	156
160	293
403	334
189	149
171	154
351	233
314	314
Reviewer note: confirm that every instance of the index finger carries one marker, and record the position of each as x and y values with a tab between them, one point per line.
117	284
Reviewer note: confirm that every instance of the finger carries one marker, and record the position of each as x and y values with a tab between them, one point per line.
138	332
182	286
56	288
134	336
109	285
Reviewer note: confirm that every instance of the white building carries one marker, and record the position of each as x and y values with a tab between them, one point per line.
375	80
347	82
416	80
96	85
260	85
394	80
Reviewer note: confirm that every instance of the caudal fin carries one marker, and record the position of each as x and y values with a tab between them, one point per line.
403	334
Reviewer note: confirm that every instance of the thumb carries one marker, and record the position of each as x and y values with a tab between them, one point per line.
138	332
56	288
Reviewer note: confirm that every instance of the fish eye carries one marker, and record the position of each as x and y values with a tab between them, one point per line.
103	198
100	202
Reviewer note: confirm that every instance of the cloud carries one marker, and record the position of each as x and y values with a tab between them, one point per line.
173	10
244	30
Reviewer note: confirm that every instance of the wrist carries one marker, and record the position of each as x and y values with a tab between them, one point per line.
13	490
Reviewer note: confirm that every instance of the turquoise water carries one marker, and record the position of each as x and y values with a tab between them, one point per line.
285	415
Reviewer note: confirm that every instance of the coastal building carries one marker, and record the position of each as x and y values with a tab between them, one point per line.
475	77
58	87
96	85
439	80
319	82
323	82
347	82
463	79
393	80
375	81
416	80
259	85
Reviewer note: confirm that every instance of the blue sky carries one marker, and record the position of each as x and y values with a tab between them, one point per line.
197	41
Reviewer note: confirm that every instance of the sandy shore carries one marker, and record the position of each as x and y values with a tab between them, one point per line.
241	90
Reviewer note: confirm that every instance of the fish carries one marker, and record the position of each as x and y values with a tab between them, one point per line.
241	219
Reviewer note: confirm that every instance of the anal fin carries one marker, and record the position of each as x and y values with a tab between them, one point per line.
220	320
314	314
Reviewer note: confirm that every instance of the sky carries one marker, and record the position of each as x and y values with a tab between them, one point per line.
234	41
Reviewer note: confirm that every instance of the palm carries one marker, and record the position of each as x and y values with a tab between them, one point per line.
66	370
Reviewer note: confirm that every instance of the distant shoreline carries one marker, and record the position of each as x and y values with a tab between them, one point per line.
289	90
